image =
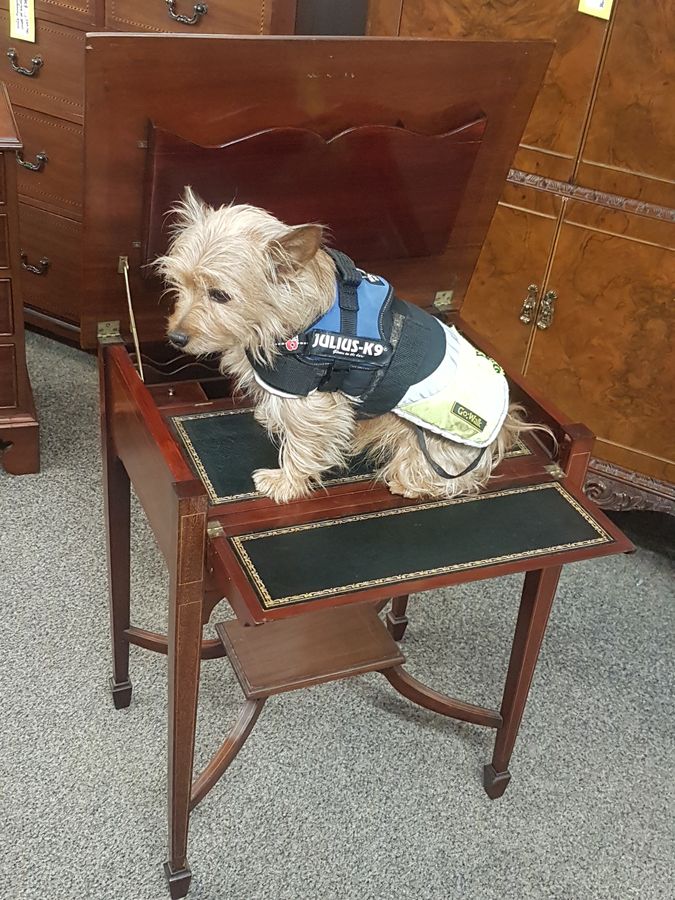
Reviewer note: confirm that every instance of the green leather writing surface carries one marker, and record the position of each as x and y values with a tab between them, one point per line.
224	448
227	446
304	562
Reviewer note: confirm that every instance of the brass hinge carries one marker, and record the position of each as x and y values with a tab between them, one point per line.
108	332
554	470
215	529
443	301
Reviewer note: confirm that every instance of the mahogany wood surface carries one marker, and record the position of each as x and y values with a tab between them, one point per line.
424	696
251	84
186	579
82	14
8	376
56	239
225	754
58	87
57	186
537	597
231	17
311	649
117	499
19	431
49	107
414	183
142	441
397	620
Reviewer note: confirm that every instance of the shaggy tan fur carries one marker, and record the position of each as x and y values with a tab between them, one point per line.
277	281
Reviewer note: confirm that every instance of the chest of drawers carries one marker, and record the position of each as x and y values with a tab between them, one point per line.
19	447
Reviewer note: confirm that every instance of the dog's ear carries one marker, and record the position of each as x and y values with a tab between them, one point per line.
190	210
298	244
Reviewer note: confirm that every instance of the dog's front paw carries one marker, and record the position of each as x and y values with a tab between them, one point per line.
275	483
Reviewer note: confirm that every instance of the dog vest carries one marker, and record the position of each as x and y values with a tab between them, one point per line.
390	356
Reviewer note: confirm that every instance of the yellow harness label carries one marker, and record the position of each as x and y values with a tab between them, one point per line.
470	417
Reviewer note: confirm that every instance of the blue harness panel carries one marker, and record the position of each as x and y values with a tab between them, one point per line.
371	294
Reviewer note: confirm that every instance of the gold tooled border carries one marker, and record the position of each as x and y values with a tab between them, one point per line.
520	449
196	461
270	602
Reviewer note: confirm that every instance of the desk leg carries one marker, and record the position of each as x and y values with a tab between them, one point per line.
184	652
535	606
118	514
397	620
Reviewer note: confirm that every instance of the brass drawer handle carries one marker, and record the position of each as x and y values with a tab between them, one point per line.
529	304
546	310
40	269
37	63
39	164
199	10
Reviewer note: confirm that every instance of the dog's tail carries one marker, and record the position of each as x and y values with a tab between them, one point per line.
514	425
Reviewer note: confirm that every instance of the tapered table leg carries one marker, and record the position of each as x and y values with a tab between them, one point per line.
117	499
184	652
397	620
118	514
535	606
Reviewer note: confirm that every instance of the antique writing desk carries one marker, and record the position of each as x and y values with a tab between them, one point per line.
401	147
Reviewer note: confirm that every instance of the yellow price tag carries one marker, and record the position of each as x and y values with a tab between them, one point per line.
22	20
598	8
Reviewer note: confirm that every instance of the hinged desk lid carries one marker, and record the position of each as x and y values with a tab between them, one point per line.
159	102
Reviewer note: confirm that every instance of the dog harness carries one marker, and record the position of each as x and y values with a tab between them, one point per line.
390	356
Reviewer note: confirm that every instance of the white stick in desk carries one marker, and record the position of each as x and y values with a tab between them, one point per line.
123	267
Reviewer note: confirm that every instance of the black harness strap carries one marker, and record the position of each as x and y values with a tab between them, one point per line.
439	470
348	281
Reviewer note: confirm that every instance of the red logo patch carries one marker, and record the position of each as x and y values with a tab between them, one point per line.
292	344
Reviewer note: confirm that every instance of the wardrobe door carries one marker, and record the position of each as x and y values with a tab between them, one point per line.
506	287
630	146
607	357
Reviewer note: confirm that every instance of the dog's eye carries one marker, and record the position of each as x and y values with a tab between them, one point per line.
218	296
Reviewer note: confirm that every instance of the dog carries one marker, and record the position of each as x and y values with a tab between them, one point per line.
262	295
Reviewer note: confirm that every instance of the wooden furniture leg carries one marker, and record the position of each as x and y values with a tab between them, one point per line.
118	516
20	446
117	501
184	652
538	593
397	621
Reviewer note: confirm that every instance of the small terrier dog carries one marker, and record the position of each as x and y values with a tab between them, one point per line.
328	365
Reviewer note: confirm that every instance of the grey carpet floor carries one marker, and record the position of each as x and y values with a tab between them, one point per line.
343	792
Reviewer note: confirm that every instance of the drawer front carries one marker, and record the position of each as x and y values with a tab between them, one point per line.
57	87
221	16
80	13
45	236
8	393
6	310
51	172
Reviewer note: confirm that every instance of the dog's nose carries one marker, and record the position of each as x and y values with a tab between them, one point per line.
178	338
